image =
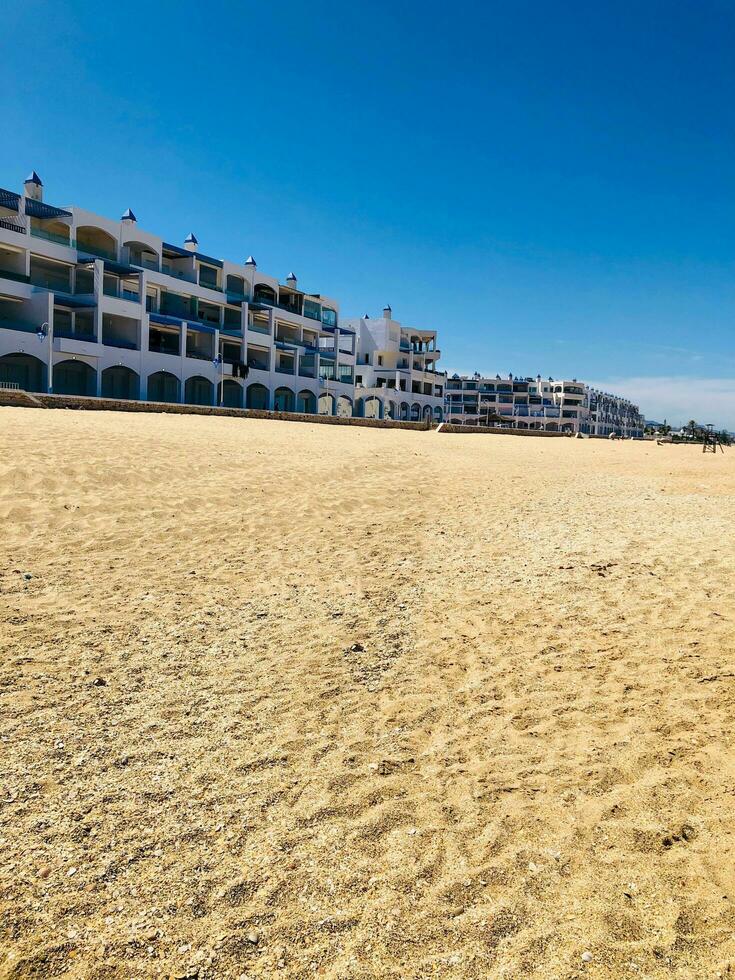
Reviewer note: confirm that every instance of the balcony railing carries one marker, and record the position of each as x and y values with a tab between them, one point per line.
199	355
18	325
257	328
115	341
96	250
68	334
178	273
12	225
141	263
50	236
15	276
211	285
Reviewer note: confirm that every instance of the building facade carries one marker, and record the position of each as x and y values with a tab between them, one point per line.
396	375
534	403
93	306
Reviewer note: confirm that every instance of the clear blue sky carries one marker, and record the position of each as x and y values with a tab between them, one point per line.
550	185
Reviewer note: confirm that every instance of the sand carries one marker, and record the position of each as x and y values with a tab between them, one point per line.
289	700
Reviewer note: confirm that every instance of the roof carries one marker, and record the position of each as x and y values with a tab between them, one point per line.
209	259
33	178
128	216
37	209
191	239
176	249
9	199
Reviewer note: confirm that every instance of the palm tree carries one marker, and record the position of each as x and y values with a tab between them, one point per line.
691	427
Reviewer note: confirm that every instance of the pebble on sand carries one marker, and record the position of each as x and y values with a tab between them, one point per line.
586	956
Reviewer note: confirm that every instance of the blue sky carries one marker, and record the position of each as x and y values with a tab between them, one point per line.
550	185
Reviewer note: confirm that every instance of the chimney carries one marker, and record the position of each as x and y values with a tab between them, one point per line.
33	186
128	218
190	242
387	312
250	261
291	280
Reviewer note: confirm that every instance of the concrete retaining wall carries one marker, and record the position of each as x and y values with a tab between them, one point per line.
80	402
499	431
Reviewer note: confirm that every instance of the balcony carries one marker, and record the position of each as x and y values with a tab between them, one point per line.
51	236
169	270
15	276
96	251
114	340
18	325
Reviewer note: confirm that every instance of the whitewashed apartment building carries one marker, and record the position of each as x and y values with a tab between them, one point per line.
94	306
534	403
396	374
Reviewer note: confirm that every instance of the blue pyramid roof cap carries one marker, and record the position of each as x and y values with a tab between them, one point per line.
191	239
128	216
33	178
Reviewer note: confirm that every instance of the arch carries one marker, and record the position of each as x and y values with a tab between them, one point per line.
283	400
230	393
344	407
326	403
137	252
405	411
551	427
373	407
263	293
306	402
415	412
359	409
235	284
74	378
256	396
438	414
198	391
390	410
163	387
96	241
521	425
427	412
120	382
24	370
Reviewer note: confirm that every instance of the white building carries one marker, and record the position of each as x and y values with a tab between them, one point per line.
534	403
395	373
94	306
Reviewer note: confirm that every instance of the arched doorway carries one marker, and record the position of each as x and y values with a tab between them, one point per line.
373	407
326	403
120	382
283	400
23	370
306	402
198	391
344	407
231	394
405	411
438	414
427	413
257	397
74	378
390	410
415	412
163	387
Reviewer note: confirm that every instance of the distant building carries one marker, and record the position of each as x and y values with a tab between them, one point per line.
534	403
395	373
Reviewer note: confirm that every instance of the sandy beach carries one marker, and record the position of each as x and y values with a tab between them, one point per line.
291	700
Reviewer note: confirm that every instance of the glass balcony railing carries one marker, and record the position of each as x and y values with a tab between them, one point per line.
98	251
258	328
68	334
111	340
15	276
178	273
210	285
50	236
18	325
140	263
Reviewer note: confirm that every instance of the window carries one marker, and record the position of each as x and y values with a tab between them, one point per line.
380	360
